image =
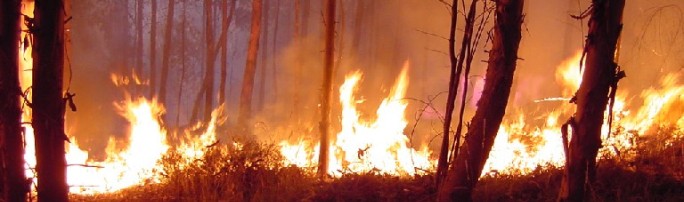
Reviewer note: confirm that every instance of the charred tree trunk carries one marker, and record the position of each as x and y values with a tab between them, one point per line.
245	111
14	185
225	26
153	49
491	107
600	77
166	54
296	36
48	105
326	96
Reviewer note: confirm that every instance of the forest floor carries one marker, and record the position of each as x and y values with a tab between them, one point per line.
253	172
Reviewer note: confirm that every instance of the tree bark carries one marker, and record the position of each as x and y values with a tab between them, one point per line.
14	185
182	73
225	26
326	96
600	77
137	70
48	105
454	80
245	111
166	54
210	59
153	50
491	107
263	66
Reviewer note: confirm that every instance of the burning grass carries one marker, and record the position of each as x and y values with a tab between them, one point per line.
254	171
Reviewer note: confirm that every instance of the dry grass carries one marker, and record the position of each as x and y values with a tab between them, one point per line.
253	172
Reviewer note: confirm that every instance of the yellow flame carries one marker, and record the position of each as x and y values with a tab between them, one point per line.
368	145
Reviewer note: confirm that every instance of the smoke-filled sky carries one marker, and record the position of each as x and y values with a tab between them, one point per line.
375	37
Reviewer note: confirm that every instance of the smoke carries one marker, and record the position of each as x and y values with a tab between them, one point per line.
375	37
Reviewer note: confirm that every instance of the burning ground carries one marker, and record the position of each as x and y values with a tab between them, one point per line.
128	142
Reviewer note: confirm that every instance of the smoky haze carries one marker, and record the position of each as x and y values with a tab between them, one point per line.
374	37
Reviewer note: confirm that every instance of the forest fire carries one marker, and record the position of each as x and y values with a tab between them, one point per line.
368	145
269	100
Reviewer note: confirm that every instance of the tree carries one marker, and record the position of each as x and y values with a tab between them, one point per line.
140	6
210	59
225	25
466	167
245	110
326	96
599	82
48	103
166	53
13	186
153	49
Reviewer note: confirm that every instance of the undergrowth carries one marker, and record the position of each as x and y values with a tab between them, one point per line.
253	172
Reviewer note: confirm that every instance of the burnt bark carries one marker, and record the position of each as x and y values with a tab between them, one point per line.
600	76
48	104
466	167
14	185
245	111
326	94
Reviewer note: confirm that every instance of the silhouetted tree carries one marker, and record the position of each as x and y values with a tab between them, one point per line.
245	111
467	166
326	96
599	79
48	103
13	186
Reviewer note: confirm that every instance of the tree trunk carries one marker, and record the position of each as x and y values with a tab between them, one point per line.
248	79
296	36
137	70
263	66
326	96
225	26
274	56
454	80
166	54
48	105
14	185
182	74
210	59
491	107
600	77
153	50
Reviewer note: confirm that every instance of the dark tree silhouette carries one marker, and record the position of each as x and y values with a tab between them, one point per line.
600	78
467	166
48	103
13	186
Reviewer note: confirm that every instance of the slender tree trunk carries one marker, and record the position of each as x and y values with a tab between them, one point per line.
358	19
210	59
491	107
263	66
225	26
166	54
14	185
153	50
137	70
454	81
274	56
326	96
599	79
296	36
182	74
48	105
245	111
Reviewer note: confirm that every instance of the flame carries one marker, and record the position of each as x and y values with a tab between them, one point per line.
368	145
